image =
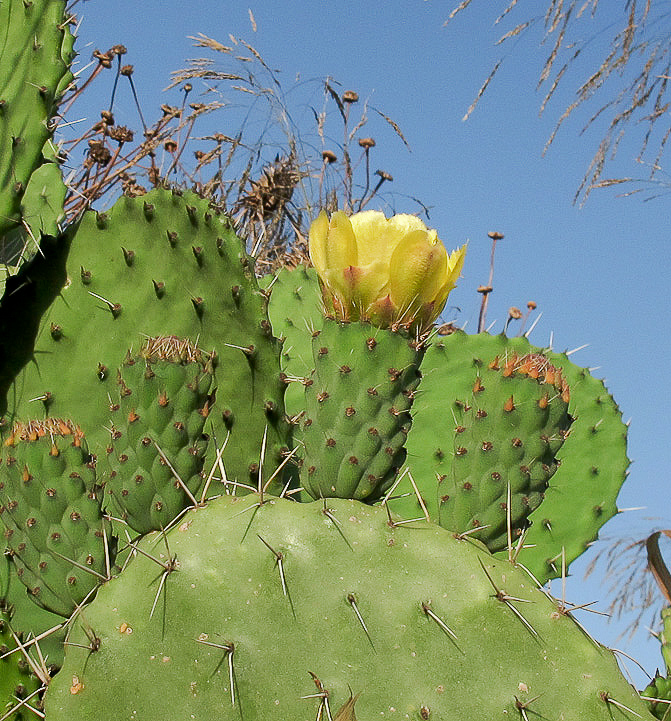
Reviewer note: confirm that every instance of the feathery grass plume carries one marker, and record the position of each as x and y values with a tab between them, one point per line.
630	81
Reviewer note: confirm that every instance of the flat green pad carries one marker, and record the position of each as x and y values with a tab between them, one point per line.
509	427
162	264
592	461
156	448
35	53
357	410
273	596
51	513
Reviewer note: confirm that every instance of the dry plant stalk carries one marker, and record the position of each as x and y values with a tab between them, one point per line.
271	175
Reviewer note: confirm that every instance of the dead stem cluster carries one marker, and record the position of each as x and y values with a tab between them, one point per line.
271	173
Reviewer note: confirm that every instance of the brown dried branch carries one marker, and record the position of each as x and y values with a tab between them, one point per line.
271	201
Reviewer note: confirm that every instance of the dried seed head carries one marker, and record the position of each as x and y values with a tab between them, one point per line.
384	175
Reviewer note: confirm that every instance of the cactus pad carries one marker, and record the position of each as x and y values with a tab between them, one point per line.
51	510
156	448
581	494
35	52
17	681
161	264
292	611
509	427
357	410
295	312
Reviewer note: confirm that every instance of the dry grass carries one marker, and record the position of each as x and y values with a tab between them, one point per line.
626	90
291	152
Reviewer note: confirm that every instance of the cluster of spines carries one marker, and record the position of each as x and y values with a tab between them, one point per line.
29	431
535	366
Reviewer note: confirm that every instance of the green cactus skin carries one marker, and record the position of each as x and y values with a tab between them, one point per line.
35	54
17	681
593	462
157	448
357	410
508	427
659	688
161	264
42	204
295	311
277	594
27	617
51	511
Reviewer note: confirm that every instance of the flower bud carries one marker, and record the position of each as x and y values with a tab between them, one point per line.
393	272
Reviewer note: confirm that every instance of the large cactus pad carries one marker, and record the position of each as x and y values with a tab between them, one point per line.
161	264
271	611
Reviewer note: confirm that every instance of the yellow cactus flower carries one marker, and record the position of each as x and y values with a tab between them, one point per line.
394	272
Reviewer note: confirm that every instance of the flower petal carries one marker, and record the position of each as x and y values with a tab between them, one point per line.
341	250
371	283
377	237
455	264
318	231
418	271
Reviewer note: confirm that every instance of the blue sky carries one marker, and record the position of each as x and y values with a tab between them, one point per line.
598	274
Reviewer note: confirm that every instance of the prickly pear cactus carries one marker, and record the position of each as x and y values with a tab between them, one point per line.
508	427
575	501
162	264
578	498
156	447
51	513
36	50
18	683
29	618
278	610
296	313
357	413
